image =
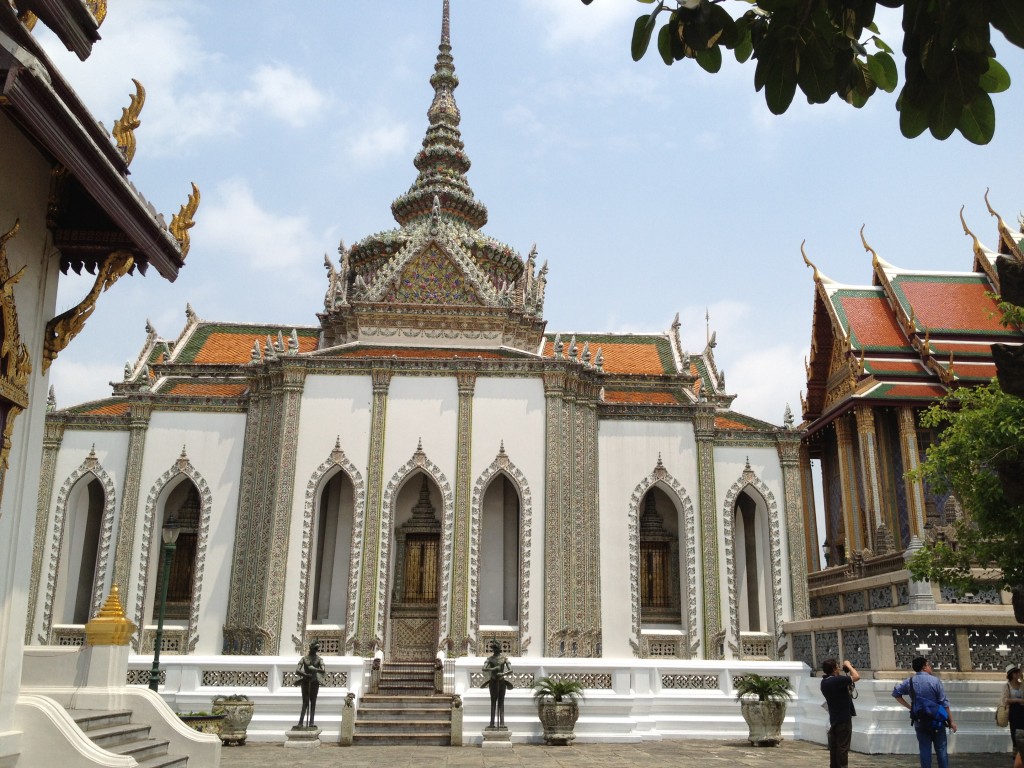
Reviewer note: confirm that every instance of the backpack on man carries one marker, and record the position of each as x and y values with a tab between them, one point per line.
927	714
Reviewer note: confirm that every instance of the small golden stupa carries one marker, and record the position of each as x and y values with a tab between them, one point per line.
110	626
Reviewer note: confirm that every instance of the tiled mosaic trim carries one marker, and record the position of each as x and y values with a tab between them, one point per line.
690	682
234	678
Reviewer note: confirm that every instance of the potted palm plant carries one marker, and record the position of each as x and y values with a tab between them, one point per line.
762	701
557	708
237	711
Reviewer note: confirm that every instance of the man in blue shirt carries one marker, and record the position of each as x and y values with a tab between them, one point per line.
924	685
837	688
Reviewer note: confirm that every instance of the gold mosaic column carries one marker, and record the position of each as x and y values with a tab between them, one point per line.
459	628
279	514
557	471
852	539
241	635
367	642
704	431
52	438
813	549
589	532
139	412
789	458
870	475
915	488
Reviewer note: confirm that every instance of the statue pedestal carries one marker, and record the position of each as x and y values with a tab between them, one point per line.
497	738
307	737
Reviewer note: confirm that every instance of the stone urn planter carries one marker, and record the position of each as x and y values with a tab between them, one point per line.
763	704
204	722
558	709
237	711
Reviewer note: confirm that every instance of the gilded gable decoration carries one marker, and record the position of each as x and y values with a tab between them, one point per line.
65	326
15	363
184	220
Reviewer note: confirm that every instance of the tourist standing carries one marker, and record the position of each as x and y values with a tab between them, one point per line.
924	685
1013	700
837	686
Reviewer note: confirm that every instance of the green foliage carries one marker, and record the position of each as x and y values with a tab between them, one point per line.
764	687
556	689
980	447
821	48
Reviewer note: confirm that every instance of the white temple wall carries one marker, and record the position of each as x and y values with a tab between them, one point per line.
512	412
23	196
335	410
214	445
422	409
628	454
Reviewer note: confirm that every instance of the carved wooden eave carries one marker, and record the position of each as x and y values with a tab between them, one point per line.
95	211
76	23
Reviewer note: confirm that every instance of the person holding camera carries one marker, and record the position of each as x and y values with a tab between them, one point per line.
837	686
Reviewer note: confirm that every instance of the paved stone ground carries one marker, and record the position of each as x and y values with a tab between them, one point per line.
658	754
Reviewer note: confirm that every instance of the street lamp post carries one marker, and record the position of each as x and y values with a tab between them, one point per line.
170	539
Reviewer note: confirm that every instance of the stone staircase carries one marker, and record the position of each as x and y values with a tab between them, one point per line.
405	710
115	732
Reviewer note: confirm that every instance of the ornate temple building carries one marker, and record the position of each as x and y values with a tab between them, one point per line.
880	354
423	468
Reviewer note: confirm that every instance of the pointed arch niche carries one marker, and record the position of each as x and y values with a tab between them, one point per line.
663	567
183	493
332	536
79	552
753	555
413	592
499	579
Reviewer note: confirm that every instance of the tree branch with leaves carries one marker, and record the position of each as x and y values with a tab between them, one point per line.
821	47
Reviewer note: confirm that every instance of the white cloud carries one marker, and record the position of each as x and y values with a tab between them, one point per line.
572	23
283	94
766	378
378	144
75	382
235	224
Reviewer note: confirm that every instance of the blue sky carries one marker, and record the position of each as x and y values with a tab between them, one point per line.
650	190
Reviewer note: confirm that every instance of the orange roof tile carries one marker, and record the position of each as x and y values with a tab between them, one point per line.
961	306
108	409
421	353
624	357
205	388
220	348
894	366
633	396
872	322
724	422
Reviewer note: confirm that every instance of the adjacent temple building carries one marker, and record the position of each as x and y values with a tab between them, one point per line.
880	354
425	468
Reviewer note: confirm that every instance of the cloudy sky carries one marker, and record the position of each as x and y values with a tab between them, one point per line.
650	190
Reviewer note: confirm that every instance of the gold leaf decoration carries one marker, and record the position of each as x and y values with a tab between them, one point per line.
183	221
65	326
98	8
15	362
125	127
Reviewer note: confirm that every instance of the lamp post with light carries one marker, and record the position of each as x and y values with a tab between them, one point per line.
169	533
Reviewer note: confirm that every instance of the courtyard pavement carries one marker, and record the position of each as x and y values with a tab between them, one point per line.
700	754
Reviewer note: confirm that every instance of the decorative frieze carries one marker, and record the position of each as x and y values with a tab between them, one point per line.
459	632
52	437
